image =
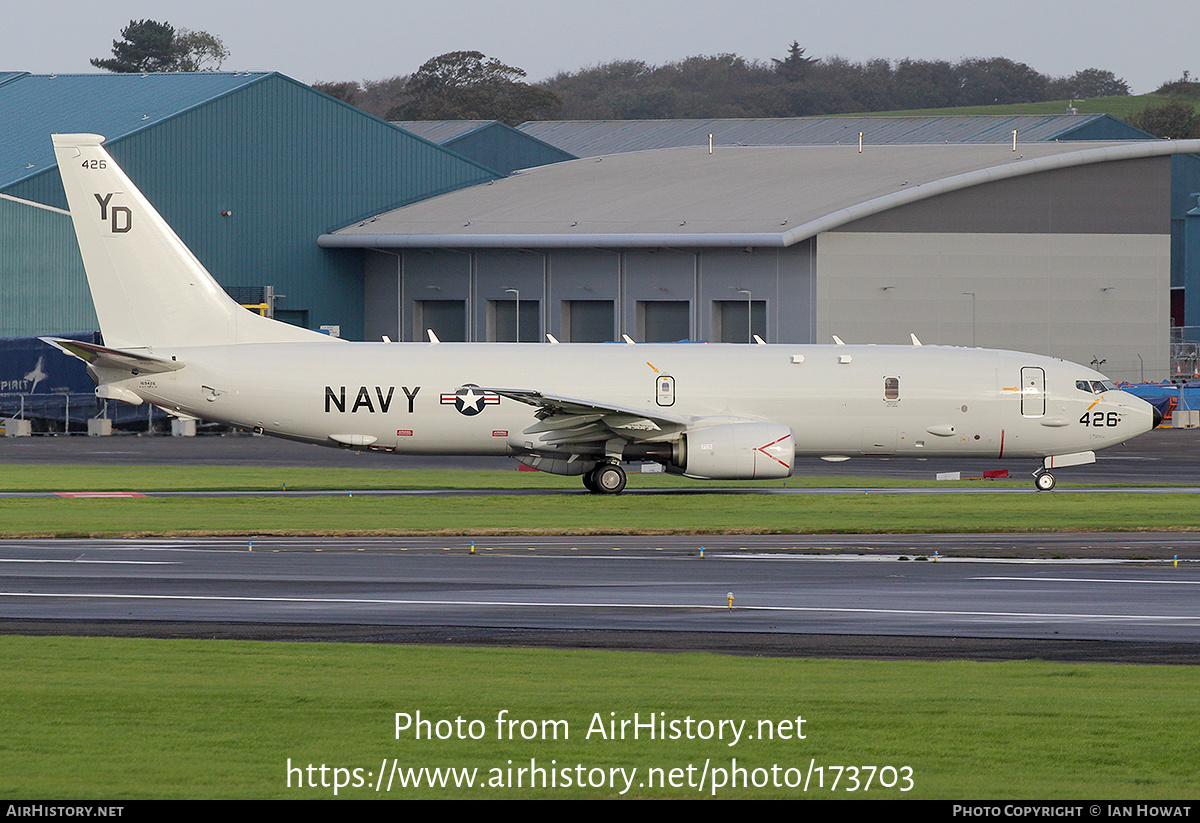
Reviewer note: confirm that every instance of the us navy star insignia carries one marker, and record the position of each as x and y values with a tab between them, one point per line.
470	399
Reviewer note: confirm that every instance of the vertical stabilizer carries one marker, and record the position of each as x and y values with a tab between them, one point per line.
148	288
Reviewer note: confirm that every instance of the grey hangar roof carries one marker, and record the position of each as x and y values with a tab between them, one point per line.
772	196
590	138
439	131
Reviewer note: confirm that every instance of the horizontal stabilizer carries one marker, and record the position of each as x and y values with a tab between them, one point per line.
105	358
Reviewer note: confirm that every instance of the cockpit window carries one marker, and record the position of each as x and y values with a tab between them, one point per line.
1083	385
1095	386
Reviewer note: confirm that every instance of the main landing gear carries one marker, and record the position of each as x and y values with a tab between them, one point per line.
605	478
1043	480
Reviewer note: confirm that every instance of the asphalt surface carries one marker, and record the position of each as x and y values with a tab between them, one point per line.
879	596
647	593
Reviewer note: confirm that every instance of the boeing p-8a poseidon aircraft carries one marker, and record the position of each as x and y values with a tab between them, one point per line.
175	339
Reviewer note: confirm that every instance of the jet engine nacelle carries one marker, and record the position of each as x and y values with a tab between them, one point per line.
739	451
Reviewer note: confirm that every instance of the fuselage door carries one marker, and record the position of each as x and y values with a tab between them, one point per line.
665	390
1033	391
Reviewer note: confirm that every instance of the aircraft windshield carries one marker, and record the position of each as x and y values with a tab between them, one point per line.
1095	386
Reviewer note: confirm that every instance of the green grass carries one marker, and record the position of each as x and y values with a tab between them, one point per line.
22	478
116	719
852	512
1120	107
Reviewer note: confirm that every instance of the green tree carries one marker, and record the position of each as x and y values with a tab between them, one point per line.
347	92
381	96
795	66
1089	83
468	85
1185	85
1174	121
198	51
150	46
146	45
997	80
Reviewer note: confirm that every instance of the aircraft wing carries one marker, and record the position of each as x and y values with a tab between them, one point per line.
563	420
106	358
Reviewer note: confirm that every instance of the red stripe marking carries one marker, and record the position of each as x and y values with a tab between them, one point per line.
769	445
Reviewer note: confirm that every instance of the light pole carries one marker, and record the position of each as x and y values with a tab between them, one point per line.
972	294
749	315
517	292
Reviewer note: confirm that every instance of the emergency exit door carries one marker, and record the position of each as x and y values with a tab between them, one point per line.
1033	391
665	393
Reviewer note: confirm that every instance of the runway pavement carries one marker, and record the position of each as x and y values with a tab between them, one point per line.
856	597
508	591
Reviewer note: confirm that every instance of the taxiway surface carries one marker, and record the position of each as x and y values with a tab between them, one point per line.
1020	598
668	589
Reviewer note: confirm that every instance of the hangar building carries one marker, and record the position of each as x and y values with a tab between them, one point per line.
249	168
1056	248
492	143
591	138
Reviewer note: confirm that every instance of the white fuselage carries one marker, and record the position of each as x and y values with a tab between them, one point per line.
837	400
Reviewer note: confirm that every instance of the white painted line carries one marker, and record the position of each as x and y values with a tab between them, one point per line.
927	559
1094	580
108	562
631	606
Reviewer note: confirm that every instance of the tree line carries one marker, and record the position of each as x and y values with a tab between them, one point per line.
468	85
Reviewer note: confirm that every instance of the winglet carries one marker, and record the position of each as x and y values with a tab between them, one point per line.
916	342
838	341
433	338
551	338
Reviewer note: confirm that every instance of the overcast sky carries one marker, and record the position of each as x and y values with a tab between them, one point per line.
1145	43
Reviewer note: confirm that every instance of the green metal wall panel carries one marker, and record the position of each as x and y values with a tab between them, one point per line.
286	163
43	289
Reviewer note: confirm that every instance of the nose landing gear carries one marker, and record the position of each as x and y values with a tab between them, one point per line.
1043	480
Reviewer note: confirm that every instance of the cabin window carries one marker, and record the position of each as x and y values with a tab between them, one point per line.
891	388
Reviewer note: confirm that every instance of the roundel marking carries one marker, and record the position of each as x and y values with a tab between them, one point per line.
470	399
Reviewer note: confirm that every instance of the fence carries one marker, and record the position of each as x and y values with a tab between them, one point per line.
68	413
